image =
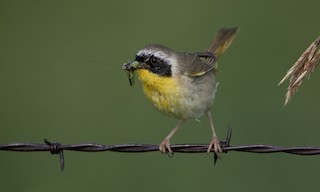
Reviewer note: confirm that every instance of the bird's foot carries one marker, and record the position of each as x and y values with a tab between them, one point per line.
164	147
215	145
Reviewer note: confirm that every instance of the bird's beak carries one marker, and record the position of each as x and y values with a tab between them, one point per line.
130	67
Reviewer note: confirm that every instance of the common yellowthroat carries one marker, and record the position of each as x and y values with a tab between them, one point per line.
179	84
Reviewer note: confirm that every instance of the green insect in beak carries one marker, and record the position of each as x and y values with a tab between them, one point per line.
129	68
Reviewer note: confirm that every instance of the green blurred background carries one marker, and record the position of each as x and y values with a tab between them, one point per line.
61	79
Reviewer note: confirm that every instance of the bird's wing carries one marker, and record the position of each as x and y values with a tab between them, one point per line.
200	63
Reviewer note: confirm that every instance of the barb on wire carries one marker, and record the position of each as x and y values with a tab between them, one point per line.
58	148
54	149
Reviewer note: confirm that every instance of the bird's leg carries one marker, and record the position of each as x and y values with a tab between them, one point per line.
165	144
214	140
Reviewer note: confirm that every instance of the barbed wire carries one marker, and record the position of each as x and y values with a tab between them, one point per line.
58	148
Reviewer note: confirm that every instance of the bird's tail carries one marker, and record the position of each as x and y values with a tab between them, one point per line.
222	40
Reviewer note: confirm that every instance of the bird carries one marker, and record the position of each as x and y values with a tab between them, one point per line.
179	84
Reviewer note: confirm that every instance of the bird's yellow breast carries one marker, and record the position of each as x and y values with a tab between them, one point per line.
163	92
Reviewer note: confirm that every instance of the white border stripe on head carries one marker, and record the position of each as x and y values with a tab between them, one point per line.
156	53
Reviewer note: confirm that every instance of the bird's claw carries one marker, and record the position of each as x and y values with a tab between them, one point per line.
165	148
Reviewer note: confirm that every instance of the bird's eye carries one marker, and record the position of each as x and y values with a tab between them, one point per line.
153	60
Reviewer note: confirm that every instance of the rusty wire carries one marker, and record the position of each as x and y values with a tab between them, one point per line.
58	148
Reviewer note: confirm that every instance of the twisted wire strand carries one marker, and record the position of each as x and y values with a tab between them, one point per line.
58	148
